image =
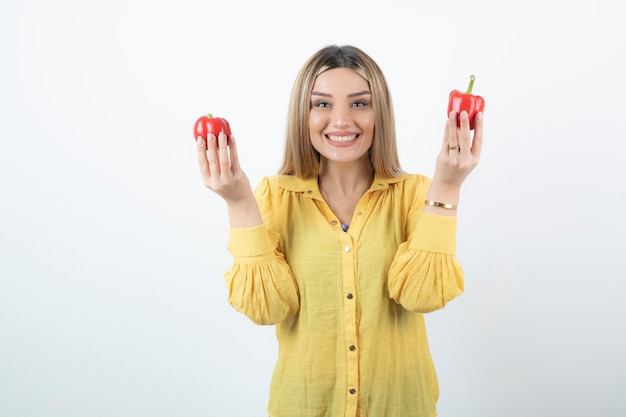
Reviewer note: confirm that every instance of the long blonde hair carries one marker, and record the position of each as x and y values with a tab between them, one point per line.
300	158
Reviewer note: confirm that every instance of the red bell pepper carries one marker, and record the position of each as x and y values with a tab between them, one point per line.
460	101
209	124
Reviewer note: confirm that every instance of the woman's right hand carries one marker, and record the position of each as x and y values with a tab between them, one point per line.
221	172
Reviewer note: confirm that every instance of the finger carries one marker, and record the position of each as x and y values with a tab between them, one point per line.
202	159
449	137
477	144
234	154
464	134
212	154
224	158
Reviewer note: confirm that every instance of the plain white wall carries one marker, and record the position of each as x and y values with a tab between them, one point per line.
112	252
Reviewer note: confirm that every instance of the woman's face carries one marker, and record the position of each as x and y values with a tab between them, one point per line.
341	121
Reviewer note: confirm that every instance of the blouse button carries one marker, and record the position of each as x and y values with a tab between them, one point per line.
352	348
352	391
309	191
346	249
360	213
333	222
349	296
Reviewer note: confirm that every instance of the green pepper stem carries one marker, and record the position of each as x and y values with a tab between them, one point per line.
209	115
471	85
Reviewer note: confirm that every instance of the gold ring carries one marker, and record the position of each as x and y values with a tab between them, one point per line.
454	148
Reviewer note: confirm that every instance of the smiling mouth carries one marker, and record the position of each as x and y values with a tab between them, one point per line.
347	138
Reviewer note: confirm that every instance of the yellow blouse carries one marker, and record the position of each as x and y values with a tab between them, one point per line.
348	306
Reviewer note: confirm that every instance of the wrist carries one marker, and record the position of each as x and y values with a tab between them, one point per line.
442	199
244	213
444	193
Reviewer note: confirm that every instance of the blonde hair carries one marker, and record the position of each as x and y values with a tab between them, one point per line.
300	158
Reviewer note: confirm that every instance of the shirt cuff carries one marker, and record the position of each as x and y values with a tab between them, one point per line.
252	241
435	233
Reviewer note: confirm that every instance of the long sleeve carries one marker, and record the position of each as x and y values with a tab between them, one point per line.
260	283
425	273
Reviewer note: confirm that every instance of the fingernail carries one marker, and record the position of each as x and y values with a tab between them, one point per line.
200	140
464	115
210	137
479	115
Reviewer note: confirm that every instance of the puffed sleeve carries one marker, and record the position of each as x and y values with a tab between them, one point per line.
260	282
425	273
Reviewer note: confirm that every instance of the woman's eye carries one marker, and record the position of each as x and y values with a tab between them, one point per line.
320	104
361	104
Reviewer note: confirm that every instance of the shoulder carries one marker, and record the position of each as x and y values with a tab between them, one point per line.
275	193
285	184
403	181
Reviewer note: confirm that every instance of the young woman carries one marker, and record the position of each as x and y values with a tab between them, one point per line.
342	250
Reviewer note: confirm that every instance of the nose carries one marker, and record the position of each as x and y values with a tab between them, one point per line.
341	116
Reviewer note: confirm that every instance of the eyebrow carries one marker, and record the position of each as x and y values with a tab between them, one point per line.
358	93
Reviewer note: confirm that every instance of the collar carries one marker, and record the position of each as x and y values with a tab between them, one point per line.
310	188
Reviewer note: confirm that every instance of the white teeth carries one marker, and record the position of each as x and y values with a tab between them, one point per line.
342	138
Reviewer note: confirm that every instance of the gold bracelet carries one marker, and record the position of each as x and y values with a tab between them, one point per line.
442	205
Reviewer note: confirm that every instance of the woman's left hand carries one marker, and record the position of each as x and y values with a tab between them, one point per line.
460	152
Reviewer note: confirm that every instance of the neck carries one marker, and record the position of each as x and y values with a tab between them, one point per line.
345	180
342	187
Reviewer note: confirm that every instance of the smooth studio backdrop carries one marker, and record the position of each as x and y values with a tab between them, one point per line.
112	252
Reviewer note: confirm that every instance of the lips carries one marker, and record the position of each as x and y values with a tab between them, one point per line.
342	138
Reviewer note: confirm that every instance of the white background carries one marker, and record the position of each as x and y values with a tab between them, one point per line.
112	252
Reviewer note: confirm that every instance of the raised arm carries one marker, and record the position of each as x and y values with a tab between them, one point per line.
221	172
459	155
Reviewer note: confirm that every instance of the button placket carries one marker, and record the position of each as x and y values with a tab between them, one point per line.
350	311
